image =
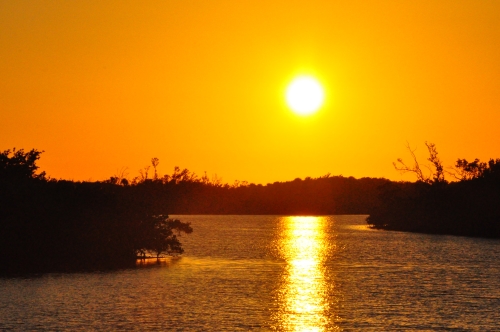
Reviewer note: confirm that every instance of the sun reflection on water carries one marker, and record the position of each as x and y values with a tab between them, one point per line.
303	297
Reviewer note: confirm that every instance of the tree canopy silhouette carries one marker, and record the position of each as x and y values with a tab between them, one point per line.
469	207
17	165
48	224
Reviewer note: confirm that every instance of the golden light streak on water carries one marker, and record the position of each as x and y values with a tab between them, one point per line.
303	296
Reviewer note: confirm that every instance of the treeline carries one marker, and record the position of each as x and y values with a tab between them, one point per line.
48	225
183	192
469	206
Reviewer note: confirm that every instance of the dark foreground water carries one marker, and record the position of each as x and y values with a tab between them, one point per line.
276	273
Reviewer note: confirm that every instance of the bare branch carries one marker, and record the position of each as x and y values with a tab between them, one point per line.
403	168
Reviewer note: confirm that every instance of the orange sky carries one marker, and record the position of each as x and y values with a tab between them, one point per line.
103	85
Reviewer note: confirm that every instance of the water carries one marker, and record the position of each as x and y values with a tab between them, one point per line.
276	274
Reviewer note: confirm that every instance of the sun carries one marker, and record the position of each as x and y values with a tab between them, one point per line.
304	95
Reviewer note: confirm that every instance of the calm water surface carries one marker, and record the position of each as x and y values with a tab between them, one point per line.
277	274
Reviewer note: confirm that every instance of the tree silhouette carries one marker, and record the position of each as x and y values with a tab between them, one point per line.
437	176
18	165
158	234
155	161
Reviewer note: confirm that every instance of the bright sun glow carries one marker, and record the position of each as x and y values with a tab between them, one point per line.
304	95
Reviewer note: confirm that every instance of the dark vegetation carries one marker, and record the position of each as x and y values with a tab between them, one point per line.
318	196
469	206
48	225
183	192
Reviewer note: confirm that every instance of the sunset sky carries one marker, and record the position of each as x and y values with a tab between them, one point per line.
107	85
